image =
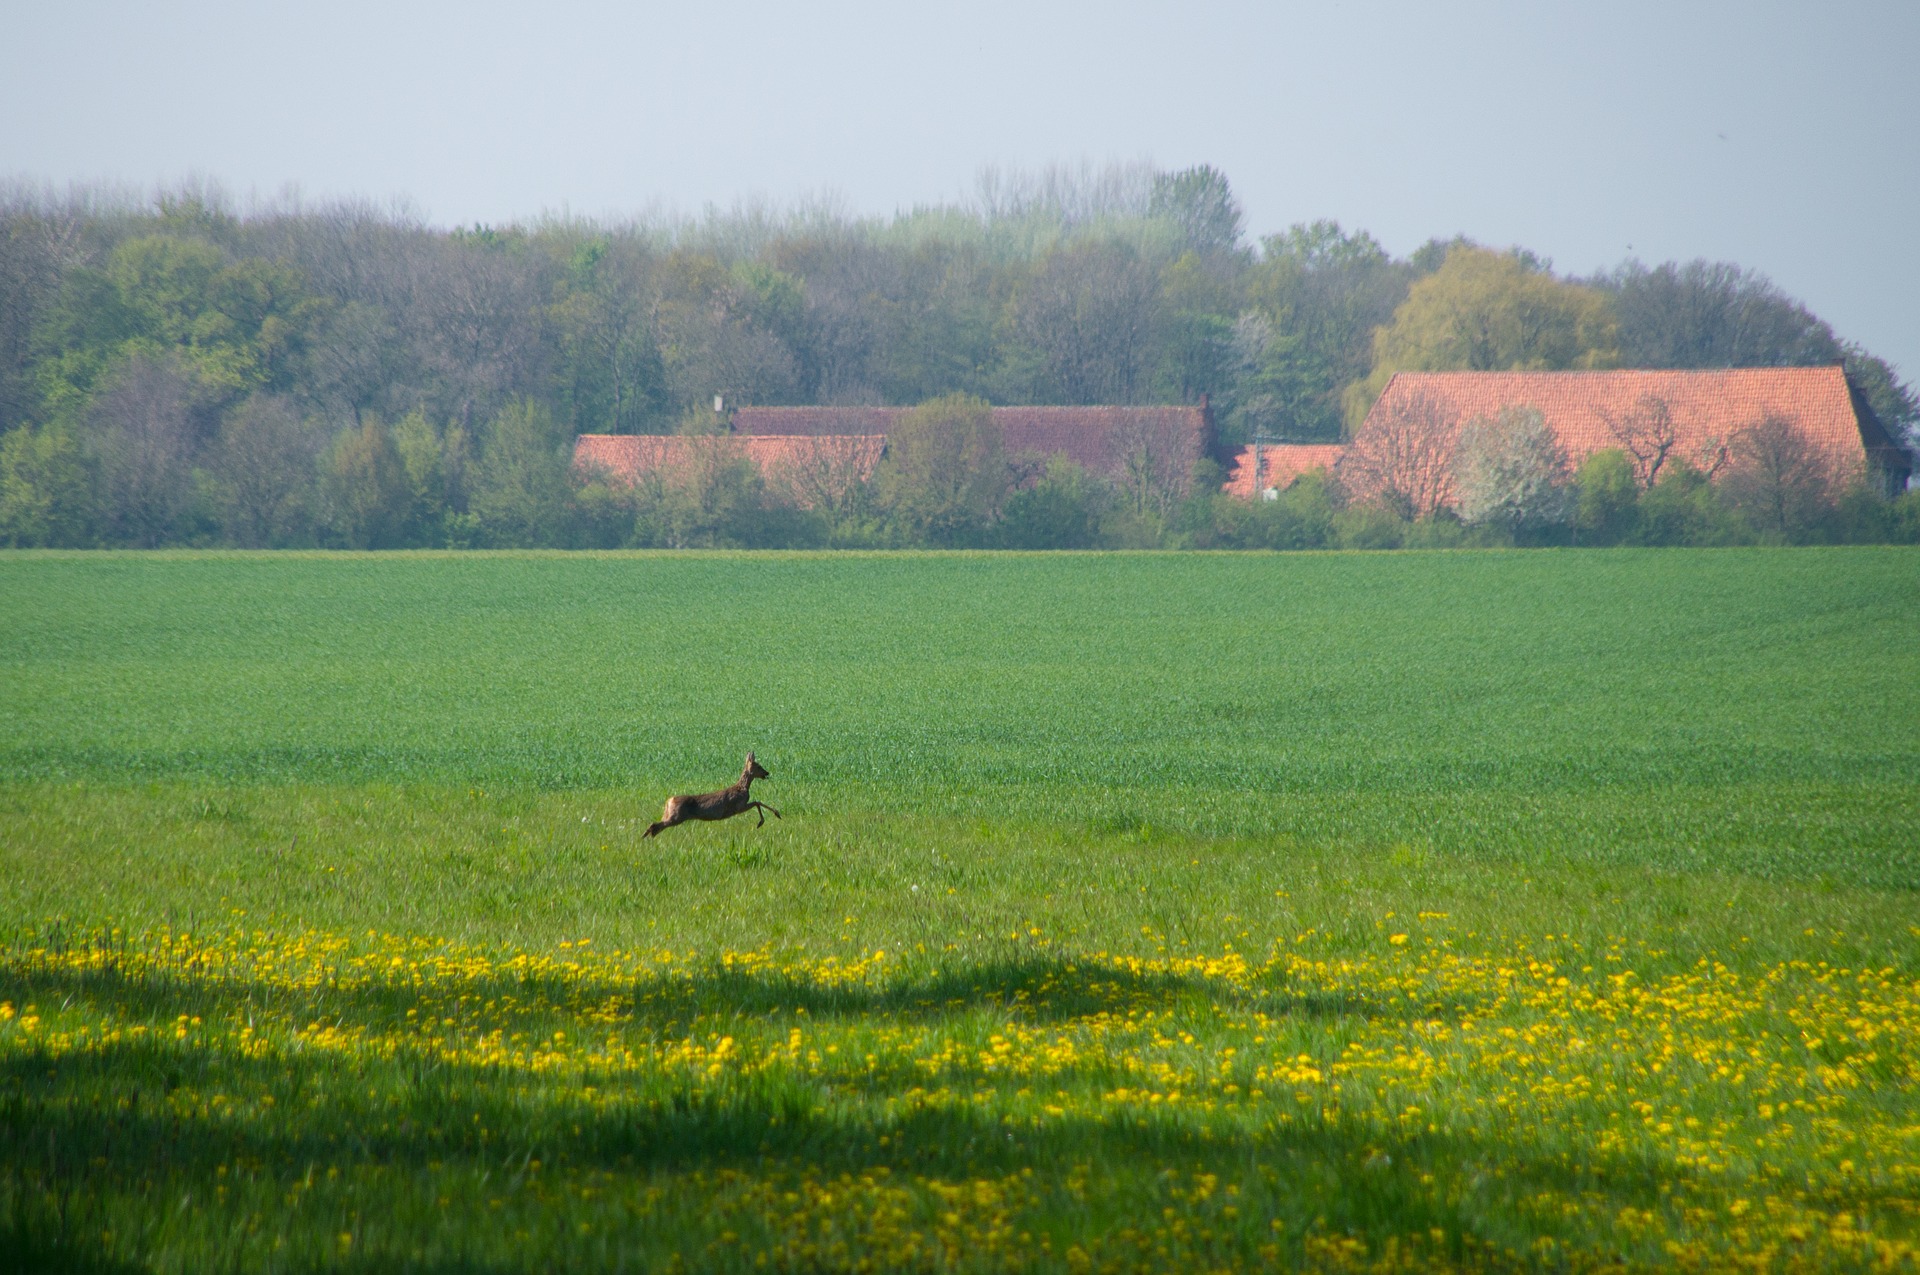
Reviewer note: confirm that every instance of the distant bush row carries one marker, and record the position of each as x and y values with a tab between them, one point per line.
270	477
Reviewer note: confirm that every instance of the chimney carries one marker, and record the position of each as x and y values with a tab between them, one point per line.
1209	441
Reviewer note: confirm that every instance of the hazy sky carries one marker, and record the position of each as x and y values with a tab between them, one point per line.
1783	137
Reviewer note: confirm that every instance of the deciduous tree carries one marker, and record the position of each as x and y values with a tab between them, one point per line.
1059	510
1778	479
708	342
1091	311
1403	458
437	461
1711	314
366	488
945	471
603	312
1647	435
1509	471
1200	204
46	489
263	466
1321	292
1607	496
1486	311
143	428
523	478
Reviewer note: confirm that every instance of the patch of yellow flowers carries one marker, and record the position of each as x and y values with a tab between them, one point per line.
1703	1116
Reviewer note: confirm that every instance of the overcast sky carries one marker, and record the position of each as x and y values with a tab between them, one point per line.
1783	137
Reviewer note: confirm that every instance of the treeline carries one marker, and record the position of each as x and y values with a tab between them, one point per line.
177	371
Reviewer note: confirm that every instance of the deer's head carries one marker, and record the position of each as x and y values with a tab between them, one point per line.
754	769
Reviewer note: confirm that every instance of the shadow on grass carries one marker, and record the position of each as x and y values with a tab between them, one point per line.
105	1124
101	1131
1035	989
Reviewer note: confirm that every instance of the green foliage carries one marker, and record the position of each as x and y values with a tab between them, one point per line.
612	375
522	481
436	460
1893	401
1279	390
605	516
141	330
1319	294
715	499
945	472
46	492
701	421
1300	517
1682	508
1198	350
239	324
1607	503
1060	510
1200	203
1374	524
1903	518
1487	311
771	299
368	495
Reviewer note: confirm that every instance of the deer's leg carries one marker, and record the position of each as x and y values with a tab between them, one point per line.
762	807
676	812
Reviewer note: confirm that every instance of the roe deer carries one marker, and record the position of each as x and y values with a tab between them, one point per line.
725	804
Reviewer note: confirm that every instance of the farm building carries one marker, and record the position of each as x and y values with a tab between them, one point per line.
1098	439
1280	466
798	448
809	470
1707	418
1657	417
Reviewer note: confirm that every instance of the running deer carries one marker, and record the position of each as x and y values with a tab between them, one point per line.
725	804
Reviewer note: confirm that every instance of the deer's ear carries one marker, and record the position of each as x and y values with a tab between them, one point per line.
749	759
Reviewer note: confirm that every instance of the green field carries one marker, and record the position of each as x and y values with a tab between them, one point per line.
1128	911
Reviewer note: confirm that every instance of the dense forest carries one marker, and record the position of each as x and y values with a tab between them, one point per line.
178	371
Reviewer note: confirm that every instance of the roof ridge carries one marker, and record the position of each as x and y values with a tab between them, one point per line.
1623	371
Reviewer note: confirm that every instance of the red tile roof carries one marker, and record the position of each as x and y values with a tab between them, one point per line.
807	470
624	457
1096	438
1588	411
1281	465
814	420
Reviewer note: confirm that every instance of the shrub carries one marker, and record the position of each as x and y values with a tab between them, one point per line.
945	472
523	484
1607	497
1059	511
1510	472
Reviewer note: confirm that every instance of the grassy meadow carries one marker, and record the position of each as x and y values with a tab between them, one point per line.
1549	909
